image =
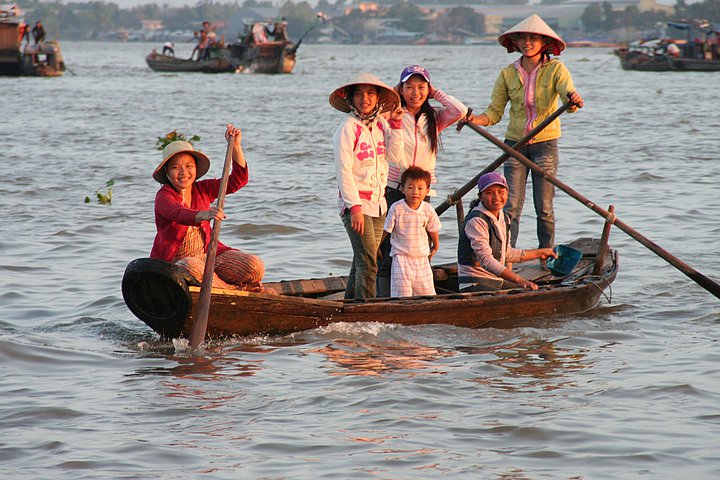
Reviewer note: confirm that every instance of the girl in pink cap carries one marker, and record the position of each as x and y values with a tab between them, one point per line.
422	124
533	85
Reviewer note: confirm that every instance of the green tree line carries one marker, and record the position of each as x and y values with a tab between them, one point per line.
602	17
87	20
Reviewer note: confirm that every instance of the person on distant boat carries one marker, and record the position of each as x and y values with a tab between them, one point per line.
38	32
408	225
203	47
210	33
484	246
168	48
672	50
422	125
25	33
258	33
532	84
363	144
183	212
196	48
278	31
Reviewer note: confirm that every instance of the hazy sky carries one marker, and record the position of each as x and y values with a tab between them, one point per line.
180	3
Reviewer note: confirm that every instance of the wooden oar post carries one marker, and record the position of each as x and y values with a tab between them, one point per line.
199	327
708	284
460	212
602	250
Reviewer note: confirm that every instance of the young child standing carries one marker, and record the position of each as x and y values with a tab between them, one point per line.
363	143
485	247
409	223
533	85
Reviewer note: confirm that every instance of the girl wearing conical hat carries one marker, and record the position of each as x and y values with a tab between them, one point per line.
533	84
363	144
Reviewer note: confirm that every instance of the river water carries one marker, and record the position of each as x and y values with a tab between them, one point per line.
87	391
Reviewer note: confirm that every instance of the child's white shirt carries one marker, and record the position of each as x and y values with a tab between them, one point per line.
408	228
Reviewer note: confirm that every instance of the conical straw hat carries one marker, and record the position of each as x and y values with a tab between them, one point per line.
387	96
532	24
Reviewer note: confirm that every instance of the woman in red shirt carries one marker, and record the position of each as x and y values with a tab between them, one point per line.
183	212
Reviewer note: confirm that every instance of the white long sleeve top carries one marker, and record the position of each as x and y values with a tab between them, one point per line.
361	163
417	149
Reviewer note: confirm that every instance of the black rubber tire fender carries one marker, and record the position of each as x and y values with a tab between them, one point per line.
156	292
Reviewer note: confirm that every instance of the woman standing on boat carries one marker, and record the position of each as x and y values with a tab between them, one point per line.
364	143
532	84
183	212
422	125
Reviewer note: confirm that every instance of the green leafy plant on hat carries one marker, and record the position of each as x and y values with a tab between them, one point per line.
101	197
174	136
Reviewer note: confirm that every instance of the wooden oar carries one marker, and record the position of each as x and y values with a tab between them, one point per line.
199	328
455	197
696	276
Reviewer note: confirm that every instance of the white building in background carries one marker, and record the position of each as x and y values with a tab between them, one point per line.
499	18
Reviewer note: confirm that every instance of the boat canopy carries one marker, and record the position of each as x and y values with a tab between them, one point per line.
9	13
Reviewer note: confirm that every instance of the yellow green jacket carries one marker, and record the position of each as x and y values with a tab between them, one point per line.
553	82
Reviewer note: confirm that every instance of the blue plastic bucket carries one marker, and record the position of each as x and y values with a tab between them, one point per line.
567	258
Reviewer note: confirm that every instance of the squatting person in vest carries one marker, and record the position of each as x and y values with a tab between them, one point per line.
484	246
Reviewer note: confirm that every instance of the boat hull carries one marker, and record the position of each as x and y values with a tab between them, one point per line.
306	304
266	58
40	60
694	64
169	64
641	61
632	60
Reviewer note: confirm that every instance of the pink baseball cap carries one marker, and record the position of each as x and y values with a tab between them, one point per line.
414	70
492	178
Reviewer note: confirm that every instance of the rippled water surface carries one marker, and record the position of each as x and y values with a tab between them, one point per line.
87	391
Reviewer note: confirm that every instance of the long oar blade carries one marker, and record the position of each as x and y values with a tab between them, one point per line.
199	328
705	282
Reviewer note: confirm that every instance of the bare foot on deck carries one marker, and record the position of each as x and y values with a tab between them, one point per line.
255	288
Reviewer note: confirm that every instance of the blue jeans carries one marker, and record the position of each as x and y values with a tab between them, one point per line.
545	156
363	272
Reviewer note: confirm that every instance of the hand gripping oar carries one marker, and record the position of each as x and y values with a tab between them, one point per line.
696	276
199	328
455	197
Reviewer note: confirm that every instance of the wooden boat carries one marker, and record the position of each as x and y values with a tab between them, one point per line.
699	51
254	52
159	295
694	64
643	59
41	59
166	63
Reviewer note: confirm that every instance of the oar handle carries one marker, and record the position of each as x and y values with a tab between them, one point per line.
462	191
696	276
199	327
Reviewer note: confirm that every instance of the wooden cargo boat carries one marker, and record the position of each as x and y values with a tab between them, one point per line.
42	59
254	52
698	51
159	295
